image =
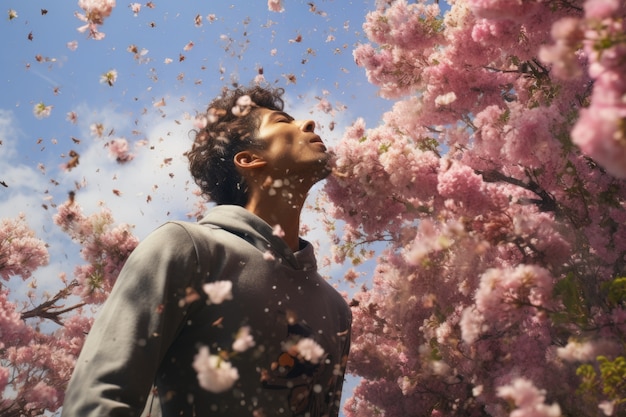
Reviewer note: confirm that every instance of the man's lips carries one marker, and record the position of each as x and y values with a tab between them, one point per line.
317	139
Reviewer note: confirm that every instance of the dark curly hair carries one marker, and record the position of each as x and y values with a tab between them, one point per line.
230	129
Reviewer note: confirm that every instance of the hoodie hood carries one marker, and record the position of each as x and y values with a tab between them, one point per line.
257	232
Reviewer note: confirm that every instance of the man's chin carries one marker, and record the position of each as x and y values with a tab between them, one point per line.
325	168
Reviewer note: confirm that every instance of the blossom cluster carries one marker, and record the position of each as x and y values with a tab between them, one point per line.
21	252
595	41
601	129
105	247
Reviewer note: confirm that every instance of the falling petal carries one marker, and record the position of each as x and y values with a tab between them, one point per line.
277	230
135	7
219	291
275	6
109	77
41	111
72	117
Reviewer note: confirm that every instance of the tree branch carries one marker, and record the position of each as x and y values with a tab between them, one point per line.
50	310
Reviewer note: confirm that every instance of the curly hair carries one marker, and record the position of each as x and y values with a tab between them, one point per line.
231	125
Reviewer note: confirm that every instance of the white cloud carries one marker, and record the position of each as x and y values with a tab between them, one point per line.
149	190
19	195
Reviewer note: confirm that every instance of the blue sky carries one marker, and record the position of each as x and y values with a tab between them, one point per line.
311	41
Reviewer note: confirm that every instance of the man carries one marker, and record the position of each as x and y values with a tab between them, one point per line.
228	316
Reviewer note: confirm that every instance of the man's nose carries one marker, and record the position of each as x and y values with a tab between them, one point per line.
307	126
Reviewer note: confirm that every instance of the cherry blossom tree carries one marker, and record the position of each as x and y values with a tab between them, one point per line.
36	360
496	186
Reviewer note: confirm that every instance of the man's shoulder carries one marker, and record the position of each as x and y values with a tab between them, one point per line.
193	227
181	232
175	236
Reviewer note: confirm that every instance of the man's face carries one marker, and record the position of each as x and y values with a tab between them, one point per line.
291	147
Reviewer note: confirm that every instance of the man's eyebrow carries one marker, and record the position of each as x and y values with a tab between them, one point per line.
277	113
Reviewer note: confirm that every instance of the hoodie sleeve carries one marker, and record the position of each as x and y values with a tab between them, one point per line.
117	365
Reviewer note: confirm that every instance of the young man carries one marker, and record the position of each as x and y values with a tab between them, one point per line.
228	316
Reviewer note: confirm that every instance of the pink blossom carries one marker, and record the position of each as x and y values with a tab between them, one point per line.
214	373
503	290
564	61
244	340
501	9
243	106
275	6
309	350
528	399
72	117
105	247
324	105
14	331
41	111
568	35
96	129
587	351
601	134
277	230
472	325
42	395
429	239
135	8
567	30
445	99
601	9
119	149
21	253
69	216
201	121
95	13
259	79
607	407
219	291
109	77
465	187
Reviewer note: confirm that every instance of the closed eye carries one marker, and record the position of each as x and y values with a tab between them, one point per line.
282	117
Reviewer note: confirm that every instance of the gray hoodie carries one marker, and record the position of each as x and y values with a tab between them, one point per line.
140	350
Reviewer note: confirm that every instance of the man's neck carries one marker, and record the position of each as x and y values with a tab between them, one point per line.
277	211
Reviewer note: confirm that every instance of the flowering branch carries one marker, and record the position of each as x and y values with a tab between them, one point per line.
50	310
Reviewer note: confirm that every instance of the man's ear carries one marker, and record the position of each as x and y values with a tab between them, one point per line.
249	160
